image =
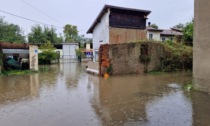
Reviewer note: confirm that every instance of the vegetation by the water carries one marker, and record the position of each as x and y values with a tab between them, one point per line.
80	53
48	53
17	72
42	68
177	57
1	57
188	86
156	72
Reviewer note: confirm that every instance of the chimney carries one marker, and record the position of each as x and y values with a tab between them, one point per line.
149	23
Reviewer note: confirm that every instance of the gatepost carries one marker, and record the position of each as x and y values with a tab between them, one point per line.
33	55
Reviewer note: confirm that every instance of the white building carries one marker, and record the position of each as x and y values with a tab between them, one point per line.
161	35
153	34
69	50
118	25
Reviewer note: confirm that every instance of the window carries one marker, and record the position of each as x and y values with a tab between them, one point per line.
150	37
163	39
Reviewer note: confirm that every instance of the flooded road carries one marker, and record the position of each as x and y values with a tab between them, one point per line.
67	96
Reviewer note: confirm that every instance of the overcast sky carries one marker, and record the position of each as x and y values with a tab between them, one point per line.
82	13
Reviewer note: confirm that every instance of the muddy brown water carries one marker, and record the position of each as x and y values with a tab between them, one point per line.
67	96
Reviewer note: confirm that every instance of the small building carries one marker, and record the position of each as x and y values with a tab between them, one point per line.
66	50
88	49
69	50
162	35
118	25
171	35
153	34
15	55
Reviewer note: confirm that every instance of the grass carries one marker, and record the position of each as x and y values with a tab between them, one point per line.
17	72
156	72
42	68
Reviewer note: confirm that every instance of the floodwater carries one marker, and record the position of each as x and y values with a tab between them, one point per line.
66	95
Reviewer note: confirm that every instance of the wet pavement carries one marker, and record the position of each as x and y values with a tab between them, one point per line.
66	95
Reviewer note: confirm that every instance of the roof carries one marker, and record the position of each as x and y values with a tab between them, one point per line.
105	9
153	29
10	45
86	50
177	29
171	32
70	43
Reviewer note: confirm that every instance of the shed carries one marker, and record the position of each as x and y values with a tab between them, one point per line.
69	50
17	52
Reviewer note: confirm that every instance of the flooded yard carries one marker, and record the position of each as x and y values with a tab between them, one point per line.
67	96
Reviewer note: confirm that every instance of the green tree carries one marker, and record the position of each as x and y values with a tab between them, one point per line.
179	26
48	53
154	26
70	33
40	35
82	39
36	35
10	32
188	33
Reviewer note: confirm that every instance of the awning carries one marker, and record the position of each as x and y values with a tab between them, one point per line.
16	51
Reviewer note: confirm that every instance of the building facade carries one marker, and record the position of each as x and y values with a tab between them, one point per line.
153	34
171	35
162	35
118	25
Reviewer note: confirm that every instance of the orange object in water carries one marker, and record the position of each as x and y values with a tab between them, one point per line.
106	76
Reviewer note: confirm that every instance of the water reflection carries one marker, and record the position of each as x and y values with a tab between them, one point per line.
201	109
15	88
132	100
66	95
72	73
49	76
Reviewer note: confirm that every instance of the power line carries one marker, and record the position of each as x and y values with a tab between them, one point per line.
34	20
40	11
30	19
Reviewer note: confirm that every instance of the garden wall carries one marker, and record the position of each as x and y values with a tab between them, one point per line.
130	58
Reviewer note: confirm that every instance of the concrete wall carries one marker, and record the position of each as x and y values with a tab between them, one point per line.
101	34
201	46
125	35
33	57
126	58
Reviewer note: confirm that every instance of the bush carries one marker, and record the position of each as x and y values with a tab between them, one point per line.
178	56
48	54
